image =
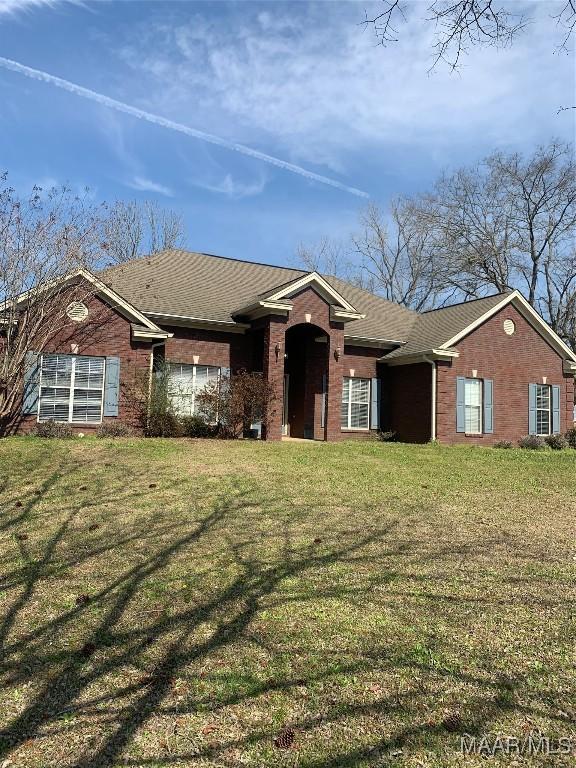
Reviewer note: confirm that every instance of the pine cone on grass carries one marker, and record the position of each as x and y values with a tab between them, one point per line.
285	738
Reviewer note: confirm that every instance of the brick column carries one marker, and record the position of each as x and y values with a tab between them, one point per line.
273	368
335	370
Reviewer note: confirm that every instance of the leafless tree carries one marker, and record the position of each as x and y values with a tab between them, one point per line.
509	223
43	237
134	229
463	24
398	258
330	256
392	254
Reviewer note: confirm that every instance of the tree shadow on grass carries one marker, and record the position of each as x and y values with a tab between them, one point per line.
161	648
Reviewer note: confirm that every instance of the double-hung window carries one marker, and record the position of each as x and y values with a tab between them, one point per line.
184	383
543	409
356	404
71	389
473	406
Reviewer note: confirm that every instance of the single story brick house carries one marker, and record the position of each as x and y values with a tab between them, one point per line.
343	362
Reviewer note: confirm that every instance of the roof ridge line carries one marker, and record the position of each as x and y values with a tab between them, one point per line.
231	258
467	301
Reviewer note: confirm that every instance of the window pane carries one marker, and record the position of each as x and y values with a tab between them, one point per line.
473	390
543	396
180	379
181	388
183	385
56	370
542	422
360	390
54	404
87	405
355	403
89	373
204	375
346	390
359	416
473	406
473	419
55	381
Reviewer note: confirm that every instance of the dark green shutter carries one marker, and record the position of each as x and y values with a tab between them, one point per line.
460	404
555	410
375	404
111	386
531	409
488	406
31	382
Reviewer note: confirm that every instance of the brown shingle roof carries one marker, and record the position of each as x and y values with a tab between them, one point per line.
435	328
206	287
202	286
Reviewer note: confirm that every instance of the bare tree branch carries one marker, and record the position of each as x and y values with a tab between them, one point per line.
461	25
134	229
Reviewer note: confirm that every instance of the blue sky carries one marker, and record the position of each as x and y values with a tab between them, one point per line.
302	82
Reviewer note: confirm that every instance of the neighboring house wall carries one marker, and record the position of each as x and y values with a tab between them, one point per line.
104	333
512	362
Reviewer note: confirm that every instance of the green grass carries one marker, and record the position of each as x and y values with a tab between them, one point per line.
379	599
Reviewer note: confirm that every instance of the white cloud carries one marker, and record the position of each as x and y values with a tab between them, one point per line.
17	6
314	82
142	184
235	190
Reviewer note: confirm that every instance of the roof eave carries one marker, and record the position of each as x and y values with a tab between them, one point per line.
342	315
369	341
263	307
423	356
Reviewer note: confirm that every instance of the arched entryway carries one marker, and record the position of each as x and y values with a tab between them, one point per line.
305	369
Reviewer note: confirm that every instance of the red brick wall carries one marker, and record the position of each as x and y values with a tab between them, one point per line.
513	362
305	302
104	332
363	360
225	350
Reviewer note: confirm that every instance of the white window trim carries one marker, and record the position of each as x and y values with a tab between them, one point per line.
194	367
466	406
71	397
369	403
544	410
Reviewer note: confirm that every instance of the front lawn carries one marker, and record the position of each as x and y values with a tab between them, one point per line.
205	603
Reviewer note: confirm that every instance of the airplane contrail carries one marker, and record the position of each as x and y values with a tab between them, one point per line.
106	101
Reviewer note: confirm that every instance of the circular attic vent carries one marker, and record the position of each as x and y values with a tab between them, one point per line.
77	311
509	327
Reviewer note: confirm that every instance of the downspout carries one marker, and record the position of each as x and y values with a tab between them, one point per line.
434	398
151	377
